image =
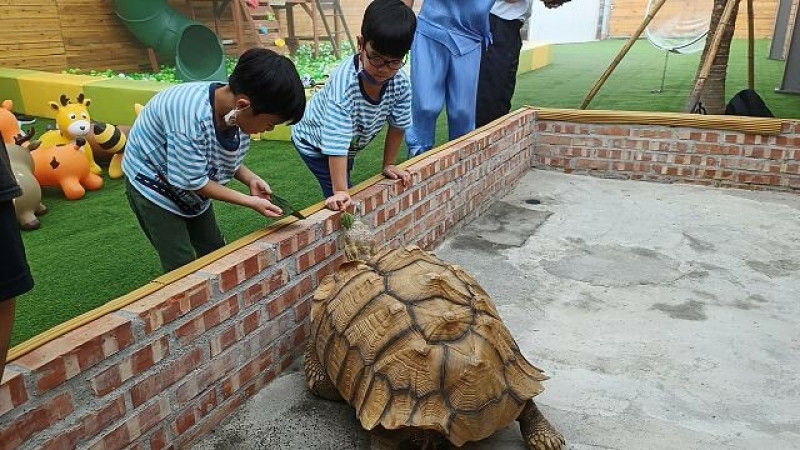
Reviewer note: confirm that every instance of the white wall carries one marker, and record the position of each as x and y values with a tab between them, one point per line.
576	21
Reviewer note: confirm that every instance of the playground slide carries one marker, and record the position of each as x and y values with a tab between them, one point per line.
197	51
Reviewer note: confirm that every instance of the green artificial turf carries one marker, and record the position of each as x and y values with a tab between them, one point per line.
91	250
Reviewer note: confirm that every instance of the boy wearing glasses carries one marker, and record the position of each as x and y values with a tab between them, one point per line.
362	94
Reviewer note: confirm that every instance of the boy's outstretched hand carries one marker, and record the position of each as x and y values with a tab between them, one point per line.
264	207
340	200
260	188
394	172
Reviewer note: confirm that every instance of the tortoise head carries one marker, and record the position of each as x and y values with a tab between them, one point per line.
358	240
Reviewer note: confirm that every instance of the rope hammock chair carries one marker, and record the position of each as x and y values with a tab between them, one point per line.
681	27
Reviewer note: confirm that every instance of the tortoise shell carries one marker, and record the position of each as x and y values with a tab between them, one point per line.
412	341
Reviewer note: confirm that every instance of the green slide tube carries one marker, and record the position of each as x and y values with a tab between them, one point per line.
197	51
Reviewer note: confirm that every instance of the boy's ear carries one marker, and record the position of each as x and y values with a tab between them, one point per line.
242	102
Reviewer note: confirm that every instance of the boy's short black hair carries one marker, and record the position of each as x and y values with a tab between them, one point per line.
272	83
389	26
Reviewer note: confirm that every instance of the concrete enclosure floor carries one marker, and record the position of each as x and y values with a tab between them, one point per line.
666	315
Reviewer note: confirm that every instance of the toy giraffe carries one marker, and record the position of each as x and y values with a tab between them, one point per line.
73	122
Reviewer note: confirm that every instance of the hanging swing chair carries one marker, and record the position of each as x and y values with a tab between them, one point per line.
681	27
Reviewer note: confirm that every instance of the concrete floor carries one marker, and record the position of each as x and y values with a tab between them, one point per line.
666	315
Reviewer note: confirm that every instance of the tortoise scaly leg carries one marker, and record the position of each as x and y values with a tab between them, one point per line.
537	431
317	379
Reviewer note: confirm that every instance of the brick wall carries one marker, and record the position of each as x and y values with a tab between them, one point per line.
669	154
165	369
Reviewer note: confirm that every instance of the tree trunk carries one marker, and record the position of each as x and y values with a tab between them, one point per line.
713	98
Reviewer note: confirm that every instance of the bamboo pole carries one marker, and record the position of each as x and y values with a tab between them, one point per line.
599	84
702	78
751	46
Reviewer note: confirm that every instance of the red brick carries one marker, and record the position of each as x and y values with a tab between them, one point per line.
589	164
210	318
316	255
225	339
612	131
292	238
173	371
138	362
330	221
386	214
12	391
302	309
173	301
652	133
247	372
134	427
215	370
792	168
39	419
259	291
158	440
199	409
241	265
550	139
788	141
209	422
251	322
88	426
282	302
63	358
372	198
327	269
398	226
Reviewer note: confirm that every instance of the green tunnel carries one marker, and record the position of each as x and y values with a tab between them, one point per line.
197	51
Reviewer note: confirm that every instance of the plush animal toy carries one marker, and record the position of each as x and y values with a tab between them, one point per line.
9	127
110	139
73	121
67	167
29	205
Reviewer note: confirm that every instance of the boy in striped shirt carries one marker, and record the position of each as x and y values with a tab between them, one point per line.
190	140
363	93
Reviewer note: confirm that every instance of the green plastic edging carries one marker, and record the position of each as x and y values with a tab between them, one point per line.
113	100
9	86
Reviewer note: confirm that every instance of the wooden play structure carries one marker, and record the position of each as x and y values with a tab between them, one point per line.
271	22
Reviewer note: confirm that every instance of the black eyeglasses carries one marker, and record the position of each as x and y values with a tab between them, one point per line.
378	62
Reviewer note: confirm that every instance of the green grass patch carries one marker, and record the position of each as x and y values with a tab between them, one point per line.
92	250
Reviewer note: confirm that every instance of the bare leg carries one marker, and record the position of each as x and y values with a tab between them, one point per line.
6	322
317	379
537	431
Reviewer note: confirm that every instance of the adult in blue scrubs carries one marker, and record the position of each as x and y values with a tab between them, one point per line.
445	63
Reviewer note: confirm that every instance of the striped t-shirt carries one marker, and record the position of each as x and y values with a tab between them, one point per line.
174	149
342	119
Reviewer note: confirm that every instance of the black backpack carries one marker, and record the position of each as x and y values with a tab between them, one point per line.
748	103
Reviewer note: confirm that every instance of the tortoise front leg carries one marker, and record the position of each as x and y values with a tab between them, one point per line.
317	379
537	431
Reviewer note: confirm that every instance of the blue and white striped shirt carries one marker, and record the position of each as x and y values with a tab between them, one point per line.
342	119
174	149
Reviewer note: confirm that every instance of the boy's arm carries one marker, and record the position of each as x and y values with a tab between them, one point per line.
258	186
338	169
214	190
409	3
394	137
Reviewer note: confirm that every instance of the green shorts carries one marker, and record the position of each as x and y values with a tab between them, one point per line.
178	240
